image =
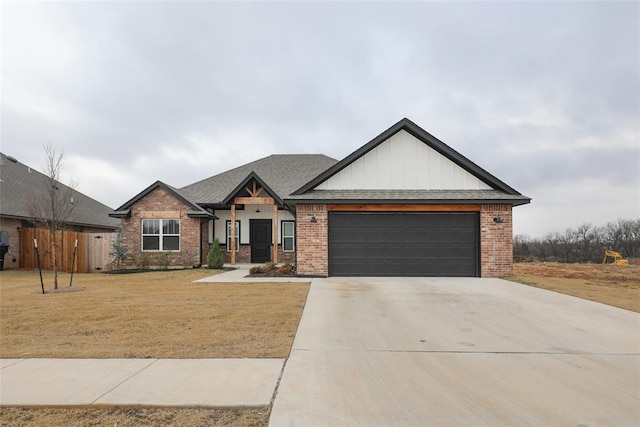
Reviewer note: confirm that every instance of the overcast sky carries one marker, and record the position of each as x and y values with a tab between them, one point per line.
544	95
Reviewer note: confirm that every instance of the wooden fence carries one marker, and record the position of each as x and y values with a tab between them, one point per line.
92	254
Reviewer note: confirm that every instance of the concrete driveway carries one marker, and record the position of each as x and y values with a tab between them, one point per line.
421	351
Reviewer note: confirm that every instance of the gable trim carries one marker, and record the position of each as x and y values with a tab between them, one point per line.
231	196
196	211
425	137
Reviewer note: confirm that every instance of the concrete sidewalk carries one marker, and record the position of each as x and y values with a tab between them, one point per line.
242	270
139	382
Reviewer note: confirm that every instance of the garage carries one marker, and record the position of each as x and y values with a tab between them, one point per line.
404	244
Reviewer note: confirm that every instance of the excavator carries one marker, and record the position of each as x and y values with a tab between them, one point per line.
617	258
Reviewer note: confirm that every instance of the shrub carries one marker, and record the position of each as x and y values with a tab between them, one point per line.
142	260
163	259
256	269
118	252
215	258
287	269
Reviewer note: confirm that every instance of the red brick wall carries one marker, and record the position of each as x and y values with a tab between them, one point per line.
159	204
312	240
496	241
496	244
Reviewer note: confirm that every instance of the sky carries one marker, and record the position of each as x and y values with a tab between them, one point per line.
544	95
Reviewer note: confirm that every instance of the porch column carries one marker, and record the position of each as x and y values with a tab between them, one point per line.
232	241
274	228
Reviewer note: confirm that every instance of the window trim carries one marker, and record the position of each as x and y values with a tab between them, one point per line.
282	236
160	235
228	231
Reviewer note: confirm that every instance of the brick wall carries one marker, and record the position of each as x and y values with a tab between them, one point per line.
159	204
312	240
496	241
11	226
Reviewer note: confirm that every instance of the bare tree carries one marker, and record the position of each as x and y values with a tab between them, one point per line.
52	205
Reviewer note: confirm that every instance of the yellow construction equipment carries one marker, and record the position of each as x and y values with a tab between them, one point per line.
617	258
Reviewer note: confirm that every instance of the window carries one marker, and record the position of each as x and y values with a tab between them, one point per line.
288	236
160	234
237	242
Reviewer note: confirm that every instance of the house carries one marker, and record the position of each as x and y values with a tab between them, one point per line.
404	204
18	183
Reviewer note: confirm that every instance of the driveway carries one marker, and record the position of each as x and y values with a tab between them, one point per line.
421	351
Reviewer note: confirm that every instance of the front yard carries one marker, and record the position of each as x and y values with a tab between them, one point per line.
147	315
154	314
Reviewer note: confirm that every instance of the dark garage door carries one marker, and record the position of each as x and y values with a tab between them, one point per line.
403	244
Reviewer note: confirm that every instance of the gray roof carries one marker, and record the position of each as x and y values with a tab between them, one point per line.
196	211
283	173
18	182
408	196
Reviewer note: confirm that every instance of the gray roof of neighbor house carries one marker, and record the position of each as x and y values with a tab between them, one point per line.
18	182
282	173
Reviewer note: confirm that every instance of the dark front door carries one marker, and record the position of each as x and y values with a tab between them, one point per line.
260	240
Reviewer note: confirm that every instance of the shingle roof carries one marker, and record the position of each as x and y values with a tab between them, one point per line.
196	211
408	196
283	173
18	182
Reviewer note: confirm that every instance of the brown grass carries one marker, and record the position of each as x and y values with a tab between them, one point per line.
155	314
147	315
615	285
123	417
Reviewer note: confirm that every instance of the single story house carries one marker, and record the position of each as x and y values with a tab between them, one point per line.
404	204
19	183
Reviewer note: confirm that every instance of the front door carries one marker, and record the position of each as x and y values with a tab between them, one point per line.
260	240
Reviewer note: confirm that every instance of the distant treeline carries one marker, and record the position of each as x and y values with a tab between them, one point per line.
583	244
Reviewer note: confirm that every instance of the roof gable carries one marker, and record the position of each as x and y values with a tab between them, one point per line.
196	211
242	188
405	156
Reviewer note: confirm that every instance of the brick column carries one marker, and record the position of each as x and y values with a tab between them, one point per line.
312	248
496	241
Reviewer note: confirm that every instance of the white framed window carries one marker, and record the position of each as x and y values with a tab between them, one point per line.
160	234
237	242
288	236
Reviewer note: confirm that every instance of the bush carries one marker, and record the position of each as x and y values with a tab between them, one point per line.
215	258
257	269
118	252
142	260
163	259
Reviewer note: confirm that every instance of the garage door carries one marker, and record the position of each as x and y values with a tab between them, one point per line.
403	244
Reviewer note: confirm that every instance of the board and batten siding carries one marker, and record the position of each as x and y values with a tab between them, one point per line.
403	162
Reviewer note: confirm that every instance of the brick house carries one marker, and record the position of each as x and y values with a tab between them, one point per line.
404	204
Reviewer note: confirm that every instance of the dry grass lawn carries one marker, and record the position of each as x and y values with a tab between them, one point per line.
147	315
155	314
134	417
616	285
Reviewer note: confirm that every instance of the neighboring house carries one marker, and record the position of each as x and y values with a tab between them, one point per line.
18	183
404	204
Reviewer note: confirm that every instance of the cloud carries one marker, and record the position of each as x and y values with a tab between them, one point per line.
544	95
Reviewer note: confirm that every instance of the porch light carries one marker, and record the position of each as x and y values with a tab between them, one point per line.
313	218
257	209
498	220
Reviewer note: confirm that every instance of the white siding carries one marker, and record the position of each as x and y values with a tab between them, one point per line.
244	216
403	162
